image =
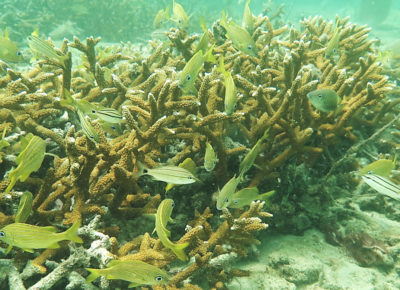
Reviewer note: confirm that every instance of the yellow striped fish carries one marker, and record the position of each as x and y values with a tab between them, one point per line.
168	173
246	196
225	194
163	215
44	49
24	207
109	115
28	237
134	271
187	164
382	185
87	128
381	167
29	160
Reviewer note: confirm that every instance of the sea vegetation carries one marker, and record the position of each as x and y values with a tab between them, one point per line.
91	169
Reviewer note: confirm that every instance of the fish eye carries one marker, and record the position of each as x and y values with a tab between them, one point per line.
180	20
93	111
2	234
369	172
159	278
188	78
91	137
235	202
190	177
19	53
234	106
173	204
113	128
319	96
250	47
227	200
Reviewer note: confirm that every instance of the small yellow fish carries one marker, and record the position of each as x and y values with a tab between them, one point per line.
325	100
9	51
42	48
240	37
333	44
29	160
24	207
381	167
134	271
168	173
205	38
187	164
251	156
210	158
87	128
230	99
28	237
108	115
248	21
225	194
191	70
163	215
161	17
246	196
3	142
179	15
84	106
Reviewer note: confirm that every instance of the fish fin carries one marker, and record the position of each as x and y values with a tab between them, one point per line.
6	33
168	187
50	229
133	284
178	249
28	250
221	66
71	235
203	24
68	99
209	57
53	246
113	263
9	248
94	274
141	169
267	195
13	181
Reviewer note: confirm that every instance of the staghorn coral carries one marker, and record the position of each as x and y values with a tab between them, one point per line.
98	184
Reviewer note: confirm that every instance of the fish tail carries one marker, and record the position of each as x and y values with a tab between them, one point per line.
209	57
203	24
71	235
94	274
179	250
141	169
68	99
267	195
266	134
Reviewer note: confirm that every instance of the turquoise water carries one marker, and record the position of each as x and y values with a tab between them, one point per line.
258	154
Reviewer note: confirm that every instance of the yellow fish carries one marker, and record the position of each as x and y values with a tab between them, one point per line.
179	15
246	196
333	44
381	167
168	173
225	194
248	21
3	142
230	99
187	164
28	237
325	100
24	207
161	17
210	158
191	70
382	185
42	48
87	128
9	51
29	160
205	38
241	39
163	215
251	156
134	271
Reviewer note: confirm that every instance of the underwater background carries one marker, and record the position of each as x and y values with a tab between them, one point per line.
199	144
